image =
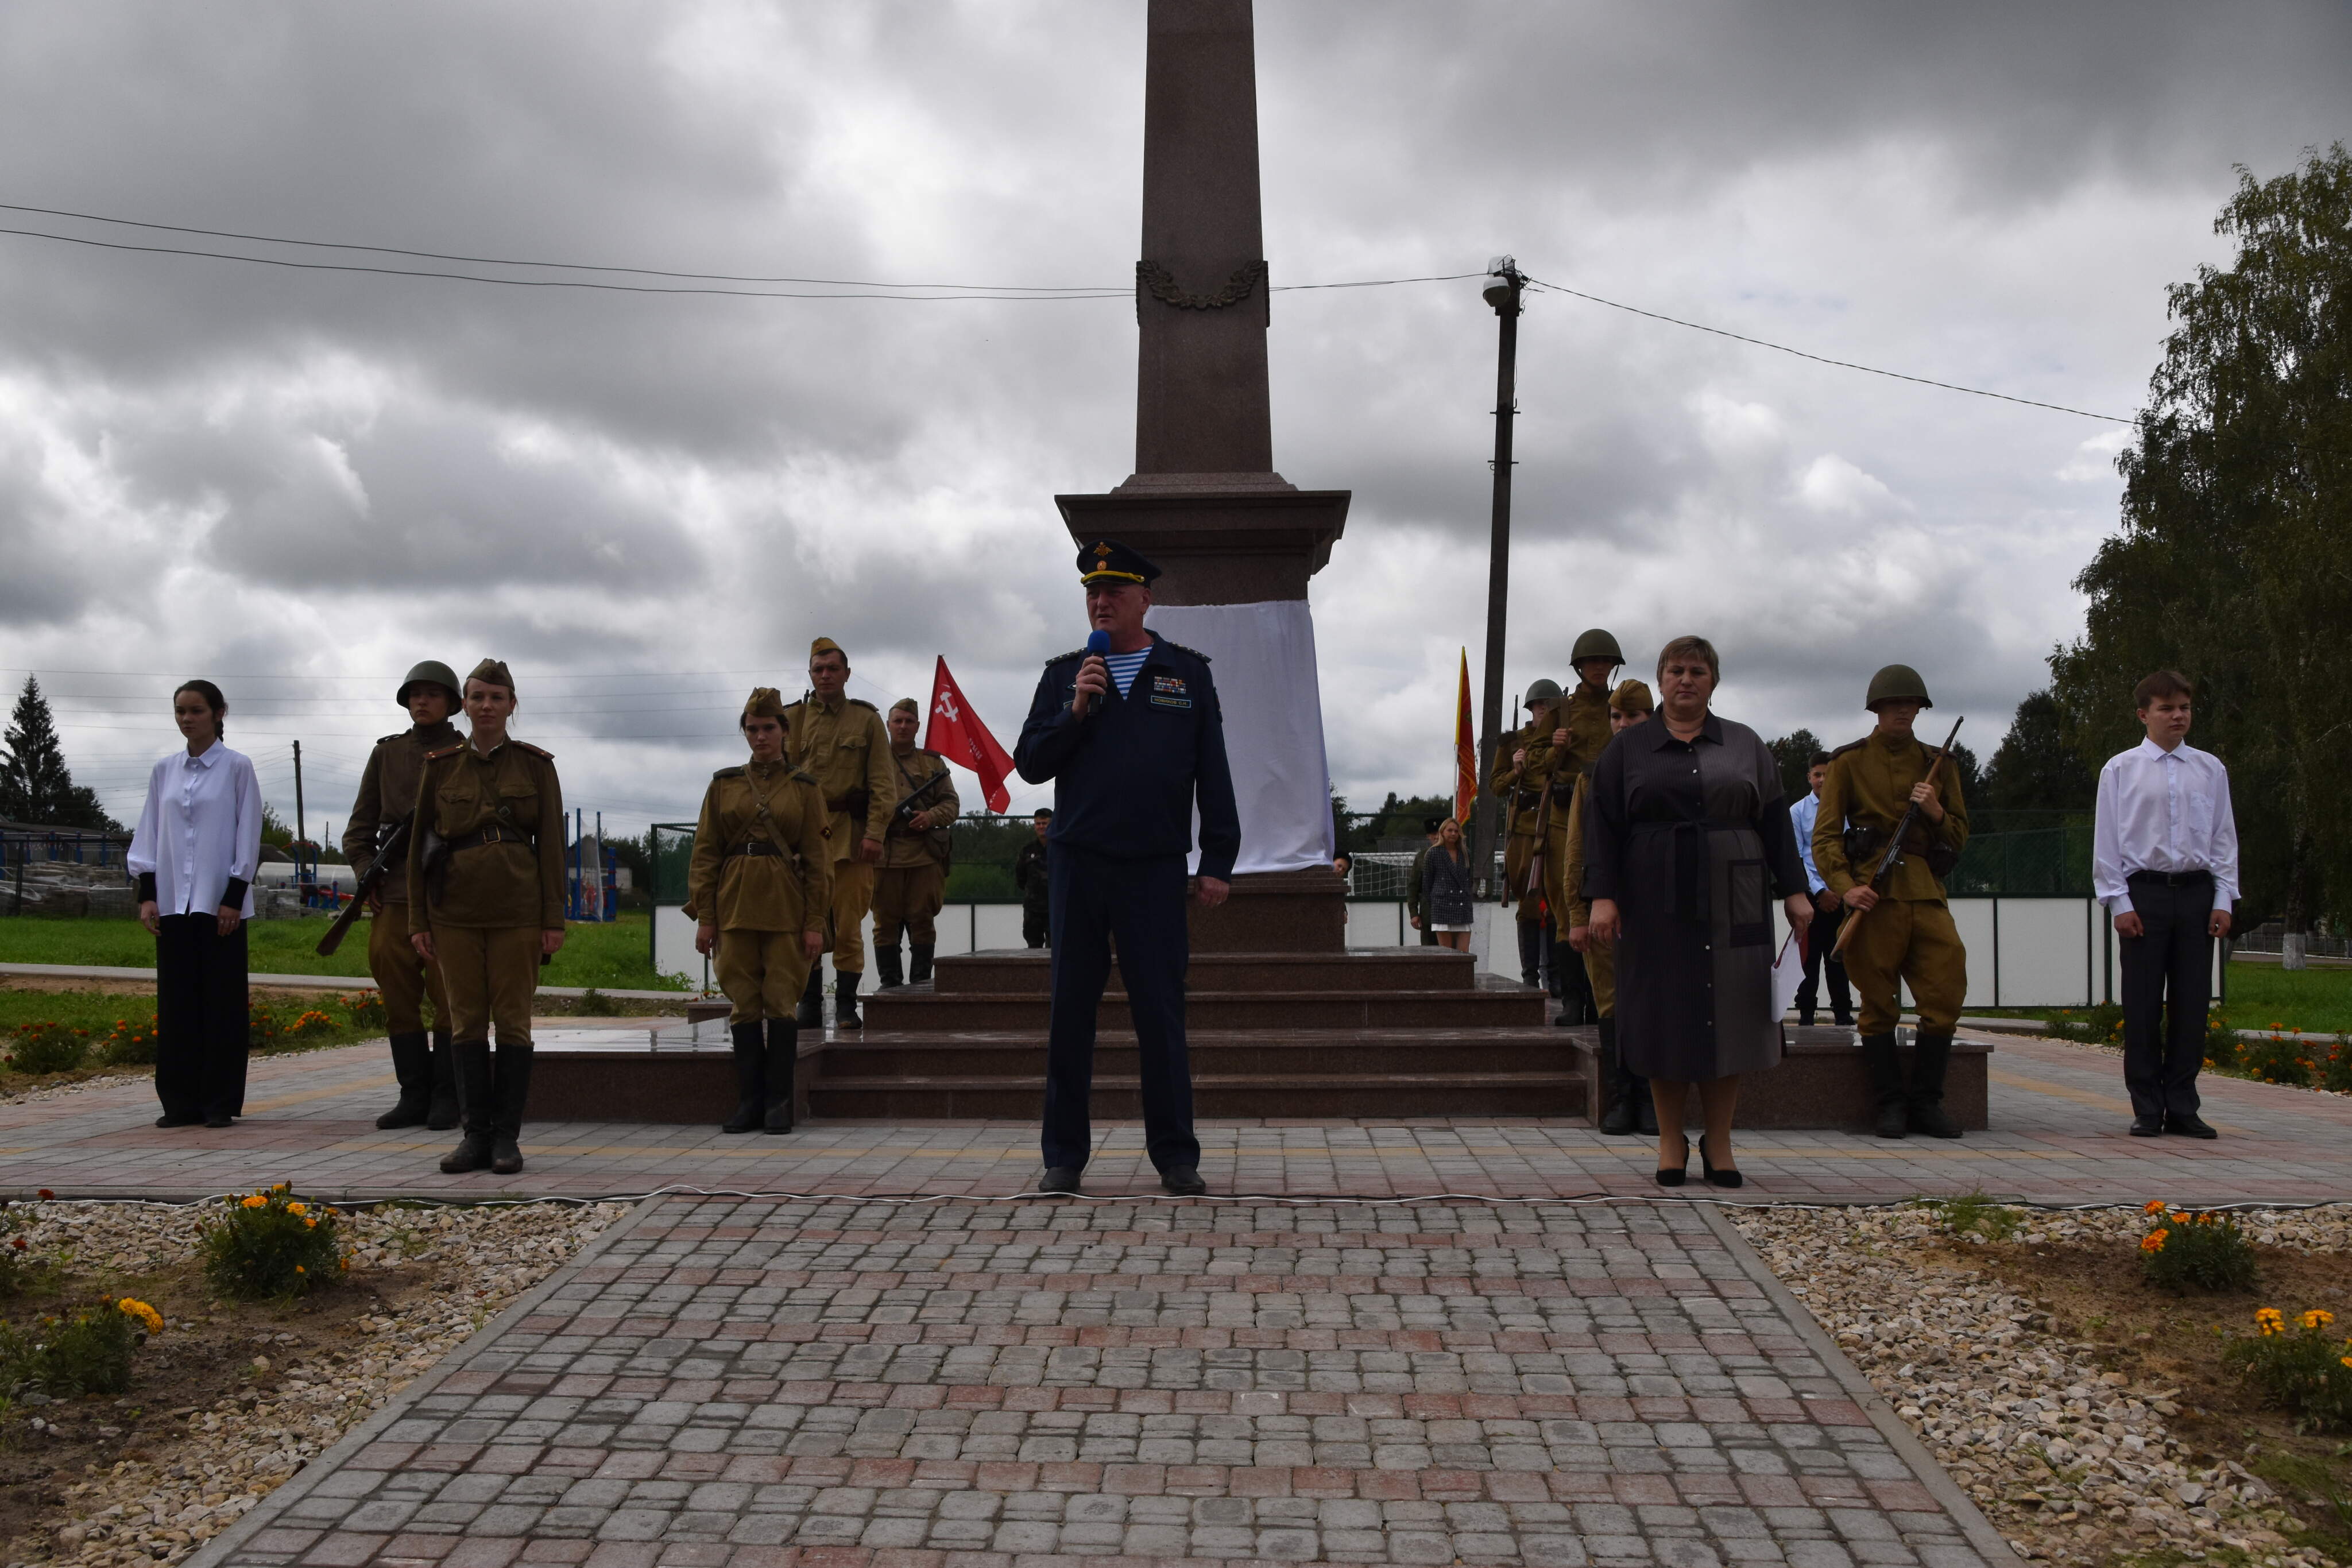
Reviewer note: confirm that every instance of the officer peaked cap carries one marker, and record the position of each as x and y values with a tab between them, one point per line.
1108	560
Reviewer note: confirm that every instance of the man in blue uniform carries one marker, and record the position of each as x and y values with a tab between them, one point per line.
1131	739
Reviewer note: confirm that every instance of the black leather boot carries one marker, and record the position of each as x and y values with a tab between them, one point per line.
1931	1060
750	1070
442	1113
1571	996
776	1091
1531	952
411	1065
885	968
1555	974
920	973
511	1089
845	1000
1886	1070
1618	1119
811	1014
473	1075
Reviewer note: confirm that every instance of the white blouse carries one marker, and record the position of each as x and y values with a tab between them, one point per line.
200	830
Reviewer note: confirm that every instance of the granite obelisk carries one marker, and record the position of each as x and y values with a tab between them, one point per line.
1236	541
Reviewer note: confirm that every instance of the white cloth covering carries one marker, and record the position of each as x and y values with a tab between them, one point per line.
1264	662
2163	811
201	826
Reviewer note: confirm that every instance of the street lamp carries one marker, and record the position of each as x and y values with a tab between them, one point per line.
1501	291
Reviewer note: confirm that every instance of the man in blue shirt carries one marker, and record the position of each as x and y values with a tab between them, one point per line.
1829	909
1132	739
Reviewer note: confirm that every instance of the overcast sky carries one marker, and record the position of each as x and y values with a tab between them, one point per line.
297	483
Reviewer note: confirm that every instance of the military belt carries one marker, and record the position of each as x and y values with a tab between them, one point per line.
1527	799
759	847
493	833
854	802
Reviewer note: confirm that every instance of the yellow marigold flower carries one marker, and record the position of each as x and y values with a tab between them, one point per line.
257	1201
2178	1216
300	1270
298	1208
2346	1360
310	1225
2153	1242
2153	1206
2317	1318
146	1316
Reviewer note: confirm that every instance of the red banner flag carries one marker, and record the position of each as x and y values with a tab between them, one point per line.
956	734
1465	750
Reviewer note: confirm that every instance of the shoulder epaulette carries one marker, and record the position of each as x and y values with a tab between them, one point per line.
445	751
1848	746
536	751
926	751
861	701
1059	658
734	772
1182	649
805	776
388	739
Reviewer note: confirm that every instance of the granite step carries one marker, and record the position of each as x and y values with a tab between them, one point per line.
1298	1053
1492	1003
1024	970
1256	1096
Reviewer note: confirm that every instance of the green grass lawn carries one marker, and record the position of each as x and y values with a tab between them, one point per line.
2263	996
617	957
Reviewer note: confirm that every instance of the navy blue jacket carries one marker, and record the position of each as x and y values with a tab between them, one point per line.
1125	775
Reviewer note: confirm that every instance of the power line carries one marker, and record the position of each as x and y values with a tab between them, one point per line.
1825	359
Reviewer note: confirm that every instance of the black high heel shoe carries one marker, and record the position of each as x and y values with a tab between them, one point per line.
1675	1178
1725	1177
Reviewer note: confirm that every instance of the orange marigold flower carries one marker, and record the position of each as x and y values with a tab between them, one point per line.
2317	1318
2153	1242
257	1201
298	1208
45	1192
2153	1206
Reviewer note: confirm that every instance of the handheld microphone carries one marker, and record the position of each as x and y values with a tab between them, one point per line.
1098	643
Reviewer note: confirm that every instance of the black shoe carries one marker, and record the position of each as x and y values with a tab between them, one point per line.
169	1119
412	1064
886	973
918	964
472	1154
2188	1125
1059	1179
751	1075
1714	1178
1184	1181
844	1001
1843	1021
776	1086
811	1013
2147	1126
442	1113
506	1156
1675	1177
1804	1021
223	1119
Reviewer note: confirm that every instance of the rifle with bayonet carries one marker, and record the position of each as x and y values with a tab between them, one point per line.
394	844
1892	855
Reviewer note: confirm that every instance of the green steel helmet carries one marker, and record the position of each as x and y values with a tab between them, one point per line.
439	674
1896	682
1596	644
1542	692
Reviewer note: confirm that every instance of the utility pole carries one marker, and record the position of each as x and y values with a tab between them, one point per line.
1502	292
300	837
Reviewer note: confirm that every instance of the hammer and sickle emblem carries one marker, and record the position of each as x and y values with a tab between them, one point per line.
945	708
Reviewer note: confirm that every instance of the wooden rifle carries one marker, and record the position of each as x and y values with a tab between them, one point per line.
396	843
1894	850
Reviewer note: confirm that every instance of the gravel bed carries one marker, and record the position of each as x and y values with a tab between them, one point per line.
1975	1370
245	1446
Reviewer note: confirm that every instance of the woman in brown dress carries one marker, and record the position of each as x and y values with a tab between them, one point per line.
1688	842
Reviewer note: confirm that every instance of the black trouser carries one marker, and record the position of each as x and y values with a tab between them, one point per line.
1140	903
2167	986
202	1024
1033	924
1818	939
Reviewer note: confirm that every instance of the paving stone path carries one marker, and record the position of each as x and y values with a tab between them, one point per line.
2058	1135
753	1384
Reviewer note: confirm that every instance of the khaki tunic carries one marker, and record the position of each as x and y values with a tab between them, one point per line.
905	848
1521	788
761	904
844	746
490	902
912	883
388	794
1567	893
1916	943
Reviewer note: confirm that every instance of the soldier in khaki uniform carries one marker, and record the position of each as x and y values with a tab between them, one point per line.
759	888
1629	1108
1583	731
913	880
486	896
1523	764
427	1074
1902	934
840	741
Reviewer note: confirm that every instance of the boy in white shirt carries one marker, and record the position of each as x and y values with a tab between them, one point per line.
2165	863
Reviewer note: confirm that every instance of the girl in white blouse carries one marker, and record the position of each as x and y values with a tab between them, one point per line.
196	852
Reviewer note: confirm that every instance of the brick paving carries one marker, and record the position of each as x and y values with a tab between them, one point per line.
2058	1135
961	1384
